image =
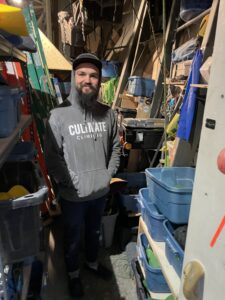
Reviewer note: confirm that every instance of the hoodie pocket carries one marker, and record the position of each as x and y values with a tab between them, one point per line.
93	183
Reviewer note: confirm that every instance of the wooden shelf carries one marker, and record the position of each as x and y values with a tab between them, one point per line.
9	52
181	82
158	248
199	85
6	144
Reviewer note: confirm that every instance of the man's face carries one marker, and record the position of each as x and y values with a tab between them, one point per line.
87	79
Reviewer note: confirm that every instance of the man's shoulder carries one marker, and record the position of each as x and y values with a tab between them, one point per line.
64	104
103	106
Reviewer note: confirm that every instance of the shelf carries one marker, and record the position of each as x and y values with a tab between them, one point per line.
8	51
158	248
199	85
6	144
181	82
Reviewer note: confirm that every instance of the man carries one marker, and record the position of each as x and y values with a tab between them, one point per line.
82	155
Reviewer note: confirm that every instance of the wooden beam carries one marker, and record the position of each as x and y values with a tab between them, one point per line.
157	98
127	63
138	41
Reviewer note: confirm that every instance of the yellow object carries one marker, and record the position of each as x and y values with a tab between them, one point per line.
17	191
127	146
4	196
12	20
203	26
172	126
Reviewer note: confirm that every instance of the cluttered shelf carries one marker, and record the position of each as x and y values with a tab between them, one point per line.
158	248
6	144
9	52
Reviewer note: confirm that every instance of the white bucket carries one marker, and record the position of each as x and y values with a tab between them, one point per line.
108	227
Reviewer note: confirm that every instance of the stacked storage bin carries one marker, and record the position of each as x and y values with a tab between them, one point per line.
9	109
166	204
19	215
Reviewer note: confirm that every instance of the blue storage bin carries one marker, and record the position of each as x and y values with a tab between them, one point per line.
140	86
191	8
152	217
17	93
128	199
174	252
171	190
154	277
8	111
22	151
110	68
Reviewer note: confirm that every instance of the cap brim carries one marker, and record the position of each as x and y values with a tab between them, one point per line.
82	60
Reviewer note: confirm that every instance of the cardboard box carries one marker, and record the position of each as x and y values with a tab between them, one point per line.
128	101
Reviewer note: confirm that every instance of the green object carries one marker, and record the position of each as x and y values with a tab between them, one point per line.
108	90
152	259
170	297
41	88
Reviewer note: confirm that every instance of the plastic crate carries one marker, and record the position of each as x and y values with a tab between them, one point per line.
174	252
19	218
171	190
22	151
154	277
8	112
128	199
152	217
140	86
191	8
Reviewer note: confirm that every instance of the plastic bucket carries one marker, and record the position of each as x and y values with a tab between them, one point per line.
108	228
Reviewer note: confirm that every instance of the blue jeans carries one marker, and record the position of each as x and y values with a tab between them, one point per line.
75	214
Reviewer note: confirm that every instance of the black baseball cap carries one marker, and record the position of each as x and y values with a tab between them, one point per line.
87	58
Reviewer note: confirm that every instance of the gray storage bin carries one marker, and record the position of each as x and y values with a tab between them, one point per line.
20	218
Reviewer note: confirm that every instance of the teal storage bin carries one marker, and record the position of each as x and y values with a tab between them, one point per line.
128	198
174	252
151	216
8	111
140	86
154	277
170	189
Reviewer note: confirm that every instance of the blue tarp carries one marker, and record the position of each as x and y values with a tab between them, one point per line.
189	102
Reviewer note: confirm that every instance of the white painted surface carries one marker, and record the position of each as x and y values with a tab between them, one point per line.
208	200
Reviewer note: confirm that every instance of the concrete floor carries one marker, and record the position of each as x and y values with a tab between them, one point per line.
122	286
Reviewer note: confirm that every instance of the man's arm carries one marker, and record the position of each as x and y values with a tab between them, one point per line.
114	158
53	152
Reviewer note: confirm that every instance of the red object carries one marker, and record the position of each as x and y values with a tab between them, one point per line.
17	79
218	231
221	161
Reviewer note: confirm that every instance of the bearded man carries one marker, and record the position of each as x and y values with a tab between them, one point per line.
82	155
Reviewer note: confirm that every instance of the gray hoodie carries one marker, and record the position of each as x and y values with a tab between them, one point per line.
81	149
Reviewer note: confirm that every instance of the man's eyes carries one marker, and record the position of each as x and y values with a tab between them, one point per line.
91	75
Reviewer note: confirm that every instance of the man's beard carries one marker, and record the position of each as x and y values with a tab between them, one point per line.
87	101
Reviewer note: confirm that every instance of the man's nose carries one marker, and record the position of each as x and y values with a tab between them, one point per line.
87	79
